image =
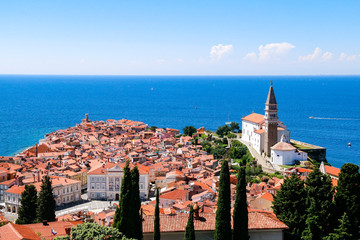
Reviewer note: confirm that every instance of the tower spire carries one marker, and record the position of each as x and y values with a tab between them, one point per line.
271	121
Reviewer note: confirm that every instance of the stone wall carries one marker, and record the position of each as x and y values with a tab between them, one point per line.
314	152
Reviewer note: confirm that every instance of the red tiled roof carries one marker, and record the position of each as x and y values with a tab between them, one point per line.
254	117
268	196
257	220
332	170
45	230
176	194
17	232
283	146
260	131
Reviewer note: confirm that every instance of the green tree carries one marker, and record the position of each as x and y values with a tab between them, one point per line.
96	232
157	218
153	128
223	130
189	130
319	203
341	233
234	127
46	203
238	152
27	210
206	146
240	215
190	229
135	217
289	204
223	218
236	143
218	152
121	220
313	230
347	198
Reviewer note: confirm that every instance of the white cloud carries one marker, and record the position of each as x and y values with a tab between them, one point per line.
327	56
344	56
250	57
272	50
219	50
316	55
311	57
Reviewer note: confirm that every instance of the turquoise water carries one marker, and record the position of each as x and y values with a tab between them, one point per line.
31	106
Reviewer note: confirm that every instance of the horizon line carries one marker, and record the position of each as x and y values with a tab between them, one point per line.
188	75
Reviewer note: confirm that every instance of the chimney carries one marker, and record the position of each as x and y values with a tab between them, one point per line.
68	231
45	223
36	150
196	211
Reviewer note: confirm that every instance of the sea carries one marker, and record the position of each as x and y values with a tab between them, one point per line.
32	106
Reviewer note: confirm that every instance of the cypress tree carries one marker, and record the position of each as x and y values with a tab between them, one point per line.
289	205
223	218
347	198
240	215
135	216
190	229
157	218
121	218
319	204
116	218
313	230
341	233
27	210
46	202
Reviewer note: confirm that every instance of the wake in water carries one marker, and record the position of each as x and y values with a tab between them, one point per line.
347	119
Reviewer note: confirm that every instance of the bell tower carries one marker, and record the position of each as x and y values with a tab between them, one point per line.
271	119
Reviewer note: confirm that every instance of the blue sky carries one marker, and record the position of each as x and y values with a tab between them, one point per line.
180	37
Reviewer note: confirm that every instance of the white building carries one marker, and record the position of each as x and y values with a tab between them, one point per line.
284	153
270	137
254	131
65	191
105	182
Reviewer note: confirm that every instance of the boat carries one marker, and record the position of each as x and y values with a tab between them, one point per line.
349	144
311	117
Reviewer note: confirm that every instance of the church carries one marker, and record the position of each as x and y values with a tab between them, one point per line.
270	137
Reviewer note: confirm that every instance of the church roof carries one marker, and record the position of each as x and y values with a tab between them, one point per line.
283	146
271	96
254	117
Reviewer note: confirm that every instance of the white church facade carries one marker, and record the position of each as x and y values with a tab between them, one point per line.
270	137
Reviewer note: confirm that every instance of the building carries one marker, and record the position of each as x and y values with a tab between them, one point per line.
283	153
262	225
65	191
104	182
264	131
333	172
